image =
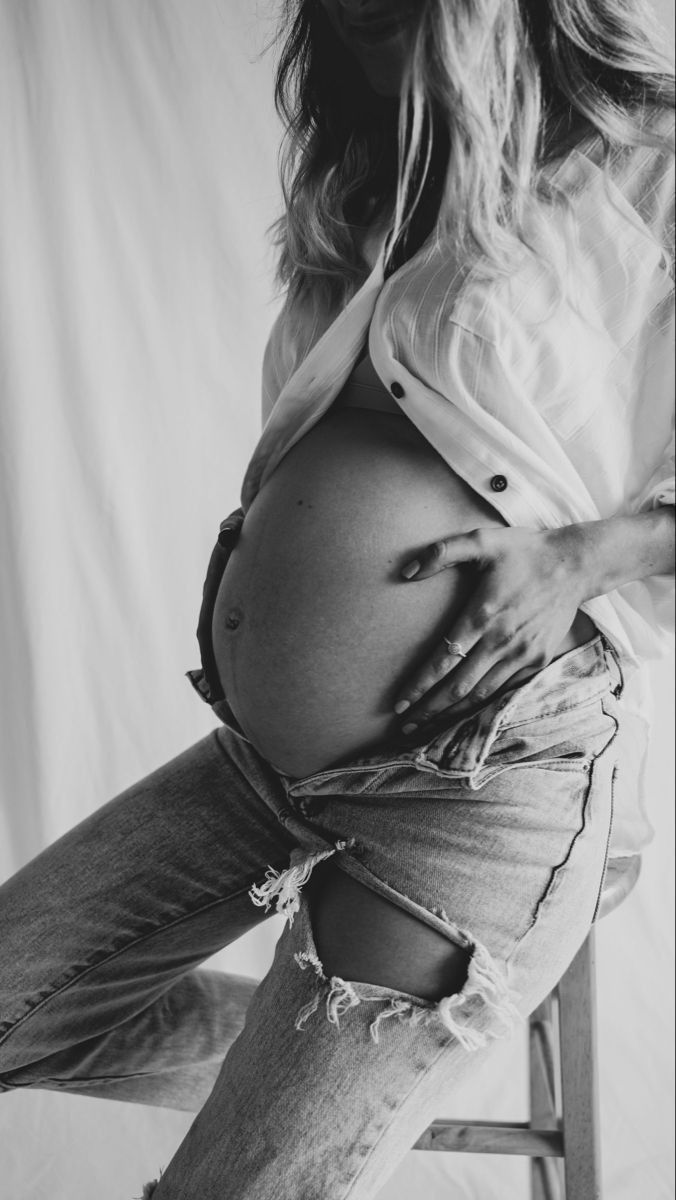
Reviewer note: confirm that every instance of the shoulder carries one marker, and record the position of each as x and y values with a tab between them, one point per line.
641	176
603	244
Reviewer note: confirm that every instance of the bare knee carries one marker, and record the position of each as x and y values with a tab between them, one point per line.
363	937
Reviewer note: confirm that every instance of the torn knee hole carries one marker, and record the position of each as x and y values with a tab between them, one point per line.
361	934
482	1010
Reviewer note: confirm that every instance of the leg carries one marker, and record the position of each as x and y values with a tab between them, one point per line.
309	1103
322	1093
335	1075
99	935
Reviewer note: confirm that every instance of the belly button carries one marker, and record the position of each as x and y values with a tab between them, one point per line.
233	619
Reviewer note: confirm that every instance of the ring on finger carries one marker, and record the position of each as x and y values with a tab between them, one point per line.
454	648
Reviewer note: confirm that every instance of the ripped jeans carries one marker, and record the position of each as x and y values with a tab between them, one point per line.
494	832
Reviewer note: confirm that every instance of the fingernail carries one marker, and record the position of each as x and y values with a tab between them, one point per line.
402	706
410	728
411	569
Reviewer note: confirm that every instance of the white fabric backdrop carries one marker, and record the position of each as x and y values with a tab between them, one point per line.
138	167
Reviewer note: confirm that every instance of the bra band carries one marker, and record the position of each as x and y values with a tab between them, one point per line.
364	389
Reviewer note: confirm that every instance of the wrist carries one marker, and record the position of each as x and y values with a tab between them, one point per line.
603	555
574	549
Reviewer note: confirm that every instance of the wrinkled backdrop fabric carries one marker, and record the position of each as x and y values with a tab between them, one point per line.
138	176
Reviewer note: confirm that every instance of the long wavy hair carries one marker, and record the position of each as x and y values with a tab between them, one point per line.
492	91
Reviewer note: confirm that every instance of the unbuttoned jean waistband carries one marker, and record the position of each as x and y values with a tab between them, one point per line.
573	682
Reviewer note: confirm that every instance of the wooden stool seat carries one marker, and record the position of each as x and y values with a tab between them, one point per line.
564	1108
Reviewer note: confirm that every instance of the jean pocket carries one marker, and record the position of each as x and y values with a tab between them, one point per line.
569	740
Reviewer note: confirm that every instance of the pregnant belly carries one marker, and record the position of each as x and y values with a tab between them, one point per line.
314	630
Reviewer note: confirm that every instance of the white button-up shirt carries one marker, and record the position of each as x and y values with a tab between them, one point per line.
570	400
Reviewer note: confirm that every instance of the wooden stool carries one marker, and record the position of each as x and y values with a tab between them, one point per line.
564	1103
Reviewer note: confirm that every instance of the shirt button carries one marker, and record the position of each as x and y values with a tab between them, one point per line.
498	483
397	390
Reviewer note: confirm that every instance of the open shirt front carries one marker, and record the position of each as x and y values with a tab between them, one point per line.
554	412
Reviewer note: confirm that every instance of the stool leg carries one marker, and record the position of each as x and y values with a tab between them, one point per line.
546	1176
579	1080
546	1179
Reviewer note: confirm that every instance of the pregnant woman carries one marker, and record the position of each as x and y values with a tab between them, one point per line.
421	631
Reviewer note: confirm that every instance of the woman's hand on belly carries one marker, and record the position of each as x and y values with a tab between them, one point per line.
529	587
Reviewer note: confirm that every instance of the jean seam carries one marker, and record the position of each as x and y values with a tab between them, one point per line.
357	769
579	767
588	702
554	764
110	957
556	873
604	870
610	825
82	1082
421	1077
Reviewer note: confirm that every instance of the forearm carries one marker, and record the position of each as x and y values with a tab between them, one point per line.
607	554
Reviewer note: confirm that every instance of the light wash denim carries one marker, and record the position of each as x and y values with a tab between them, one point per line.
494	832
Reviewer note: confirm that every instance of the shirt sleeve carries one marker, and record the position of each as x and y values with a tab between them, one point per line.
658	391
653	597
661	489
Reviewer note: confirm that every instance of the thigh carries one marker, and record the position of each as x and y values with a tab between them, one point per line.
494	837
155	881
365	937
309	1103
339	1068
436	893
480	861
